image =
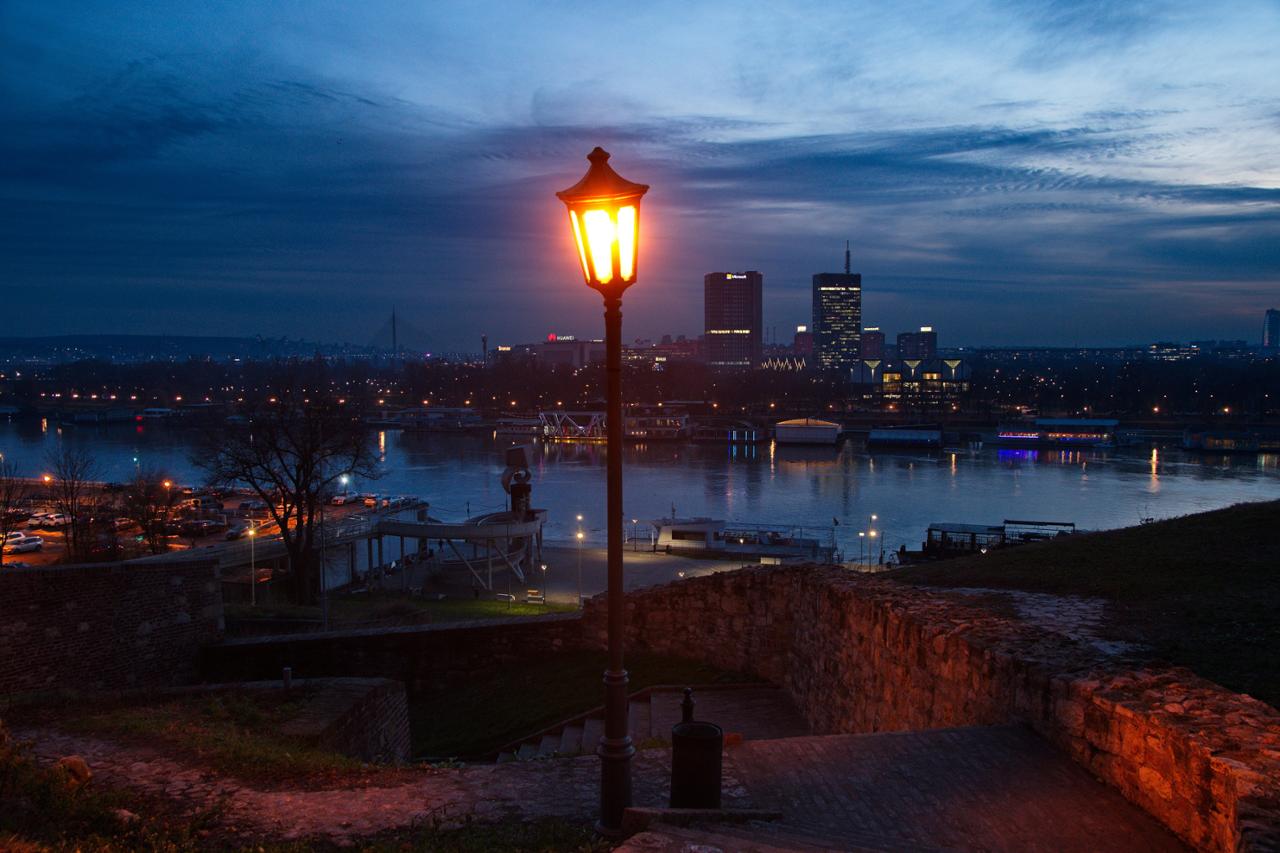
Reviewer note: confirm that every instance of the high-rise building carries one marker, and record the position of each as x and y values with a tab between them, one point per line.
837	317
872	345
1271	331
803	343
734	319
922	344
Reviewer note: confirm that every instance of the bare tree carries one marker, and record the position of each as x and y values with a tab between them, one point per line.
13	496
290	454
148	500
74	495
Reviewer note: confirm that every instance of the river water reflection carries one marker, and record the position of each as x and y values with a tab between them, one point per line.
906	490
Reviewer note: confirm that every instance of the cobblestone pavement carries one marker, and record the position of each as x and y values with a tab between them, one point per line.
991	789
420	796
756	713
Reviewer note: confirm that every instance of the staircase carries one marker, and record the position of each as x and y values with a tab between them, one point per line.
581	735
752	710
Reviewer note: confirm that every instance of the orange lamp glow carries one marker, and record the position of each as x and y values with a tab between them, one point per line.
604	213
48	479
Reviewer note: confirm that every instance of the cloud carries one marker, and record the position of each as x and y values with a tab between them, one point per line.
301	184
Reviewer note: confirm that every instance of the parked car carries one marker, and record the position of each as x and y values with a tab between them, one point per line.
370	500
123	523
50	521
200	527
344	499
238	530
203	502
20	543
37	519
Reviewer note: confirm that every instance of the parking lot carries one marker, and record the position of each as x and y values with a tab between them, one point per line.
196	519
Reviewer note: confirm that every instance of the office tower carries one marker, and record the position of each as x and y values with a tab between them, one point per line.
734	319
928	343
837	317
922	344
803	343
872	345
1271	332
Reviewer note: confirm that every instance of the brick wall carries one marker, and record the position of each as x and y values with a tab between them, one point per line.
861	654
106	626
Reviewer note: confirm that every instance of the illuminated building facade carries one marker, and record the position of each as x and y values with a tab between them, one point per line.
734	319
911	383
837	320
872	345
922	344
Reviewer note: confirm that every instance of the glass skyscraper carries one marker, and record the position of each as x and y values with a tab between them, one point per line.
734	319
837	320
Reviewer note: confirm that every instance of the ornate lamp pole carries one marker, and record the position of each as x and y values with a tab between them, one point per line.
604	212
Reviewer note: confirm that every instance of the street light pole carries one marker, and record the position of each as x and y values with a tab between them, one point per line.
604	213
579	568
253	571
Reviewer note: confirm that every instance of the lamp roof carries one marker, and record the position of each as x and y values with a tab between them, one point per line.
601	183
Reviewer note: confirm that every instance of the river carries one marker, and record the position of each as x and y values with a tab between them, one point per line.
906	490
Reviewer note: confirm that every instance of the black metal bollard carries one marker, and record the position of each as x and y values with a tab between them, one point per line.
696	754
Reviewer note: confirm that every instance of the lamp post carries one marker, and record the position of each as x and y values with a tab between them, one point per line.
604	214
579	568
862	542
253	570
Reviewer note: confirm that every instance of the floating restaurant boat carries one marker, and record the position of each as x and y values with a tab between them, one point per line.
732	432
1059	432
953	539
905	437
806	431
518	427
716	539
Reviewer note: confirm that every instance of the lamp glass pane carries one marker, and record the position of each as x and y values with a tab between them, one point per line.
601	234
582	249
627	242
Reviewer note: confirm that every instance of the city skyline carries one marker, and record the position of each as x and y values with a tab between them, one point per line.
1075	176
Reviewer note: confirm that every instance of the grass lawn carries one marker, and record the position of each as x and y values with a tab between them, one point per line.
234	732
389	608
505	703
1202	591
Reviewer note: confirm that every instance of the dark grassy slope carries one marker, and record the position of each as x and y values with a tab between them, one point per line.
1202	591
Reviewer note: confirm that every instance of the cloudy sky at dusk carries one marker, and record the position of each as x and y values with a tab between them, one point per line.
1012	172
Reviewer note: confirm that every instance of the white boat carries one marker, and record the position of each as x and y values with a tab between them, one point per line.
520	427
718	539
806	431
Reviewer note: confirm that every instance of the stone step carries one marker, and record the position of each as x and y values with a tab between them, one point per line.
571	740
527	750
638	720
549	746
592	731
504	757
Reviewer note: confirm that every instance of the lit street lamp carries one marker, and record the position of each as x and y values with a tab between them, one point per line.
862	541
253	569
579	567
604	214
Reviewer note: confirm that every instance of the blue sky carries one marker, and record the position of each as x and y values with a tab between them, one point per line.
1009	172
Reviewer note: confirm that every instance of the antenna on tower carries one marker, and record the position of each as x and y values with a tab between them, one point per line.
847	269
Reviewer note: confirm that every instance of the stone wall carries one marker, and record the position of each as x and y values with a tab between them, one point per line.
860	654
365	718
423	657
105	626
